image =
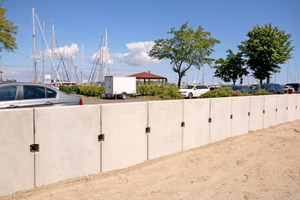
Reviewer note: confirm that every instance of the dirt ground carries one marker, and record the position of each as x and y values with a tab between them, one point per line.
264	164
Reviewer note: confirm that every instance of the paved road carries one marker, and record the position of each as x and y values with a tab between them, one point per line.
92	100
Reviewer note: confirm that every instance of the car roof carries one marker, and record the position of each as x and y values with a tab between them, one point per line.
28	83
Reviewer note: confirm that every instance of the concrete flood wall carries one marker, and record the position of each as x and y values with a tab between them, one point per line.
16	161
68	144
45	145
164	122
124	142
196	113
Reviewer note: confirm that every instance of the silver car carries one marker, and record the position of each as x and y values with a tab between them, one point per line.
22	95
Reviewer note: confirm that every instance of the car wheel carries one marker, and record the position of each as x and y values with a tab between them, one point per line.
190	96
124	95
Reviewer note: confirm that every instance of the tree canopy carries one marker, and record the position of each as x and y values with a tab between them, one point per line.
7	31
188	47
231	68
266	48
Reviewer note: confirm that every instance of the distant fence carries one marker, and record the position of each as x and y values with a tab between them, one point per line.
44	145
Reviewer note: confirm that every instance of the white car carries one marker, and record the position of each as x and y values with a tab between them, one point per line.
190	91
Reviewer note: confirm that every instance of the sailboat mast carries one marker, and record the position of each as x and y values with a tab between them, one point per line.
82	64
1	72
34	56
43	52
105	52
203	78
287	78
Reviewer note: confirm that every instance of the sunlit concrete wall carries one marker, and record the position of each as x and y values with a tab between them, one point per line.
282	106
68	140
125	138
196	125
256	109
291	108
239	112
164	119
16	161
82	140
270	108
220	114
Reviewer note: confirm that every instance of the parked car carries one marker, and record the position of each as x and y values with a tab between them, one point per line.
296	86
287	87
243	88
21	95
190	91
271	88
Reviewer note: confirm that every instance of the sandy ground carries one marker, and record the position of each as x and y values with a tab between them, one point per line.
264	164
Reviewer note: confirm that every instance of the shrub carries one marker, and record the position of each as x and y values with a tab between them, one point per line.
228	92
168	92
147	90
223	92
70	89
92	90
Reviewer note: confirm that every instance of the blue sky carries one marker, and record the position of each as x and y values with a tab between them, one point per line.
132	28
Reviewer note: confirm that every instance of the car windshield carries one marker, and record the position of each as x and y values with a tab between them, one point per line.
236	88
188	87
264	87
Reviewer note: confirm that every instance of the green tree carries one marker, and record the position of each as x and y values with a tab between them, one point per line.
231	68
7	31
266	48
185	49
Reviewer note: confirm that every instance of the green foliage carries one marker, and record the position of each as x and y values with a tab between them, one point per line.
84	90
92	90
186	48
266	48
167	92
147	90
231	68
69	89
228	92
7	31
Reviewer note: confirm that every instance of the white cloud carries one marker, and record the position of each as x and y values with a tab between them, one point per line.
138	56
106	56
61	52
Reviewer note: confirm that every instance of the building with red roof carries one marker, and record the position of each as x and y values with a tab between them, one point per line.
149	76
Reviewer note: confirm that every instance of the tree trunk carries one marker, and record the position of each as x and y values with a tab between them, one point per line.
179	81
234	82
260	81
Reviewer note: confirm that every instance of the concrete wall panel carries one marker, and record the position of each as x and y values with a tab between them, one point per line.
124	128
270	110
68	139
239	111
16	161
220	115
292	107
256	108
164	120
298	106
195	117
282	106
